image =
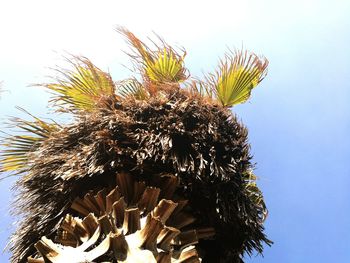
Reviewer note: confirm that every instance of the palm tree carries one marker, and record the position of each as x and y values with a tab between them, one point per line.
154	168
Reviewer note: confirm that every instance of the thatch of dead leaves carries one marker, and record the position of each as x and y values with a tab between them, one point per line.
148	127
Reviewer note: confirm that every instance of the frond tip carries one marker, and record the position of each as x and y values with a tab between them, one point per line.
238	74
85	88
162	65
17	148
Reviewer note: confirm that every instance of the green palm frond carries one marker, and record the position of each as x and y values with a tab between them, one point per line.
254	193
131	88
84	88
167	66
238	74
17	148
160	66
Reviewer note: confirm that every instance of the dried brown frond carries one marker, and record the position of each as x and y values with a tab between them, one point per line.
202	144
187	157
200	90
126	224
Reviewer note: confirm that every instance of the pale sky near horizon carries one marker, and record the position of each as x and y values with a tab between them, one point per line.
298	118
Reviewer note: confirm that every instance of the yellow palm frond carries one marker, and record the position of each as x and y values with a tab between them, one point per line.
14	156
131	88
166	67
162	65
238	74
85	88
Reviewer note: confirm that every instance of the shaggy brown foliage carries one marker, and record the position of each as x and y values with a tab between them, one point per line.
203	144
164	124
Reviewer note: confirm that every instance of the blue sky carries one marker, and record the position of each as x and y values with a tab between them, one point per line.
298	117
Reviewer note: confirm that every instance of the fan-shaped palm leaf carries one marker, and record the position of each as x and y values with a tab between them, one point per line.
159	66
131	88
85	88
14	156
238	74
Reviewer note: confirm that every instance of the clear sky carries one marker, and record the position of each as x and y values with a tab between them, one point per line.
298	117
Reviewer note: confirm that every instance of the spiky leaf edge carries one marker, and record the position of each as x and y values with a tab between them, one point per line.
17	148
85	88
239	72
131	88
162	65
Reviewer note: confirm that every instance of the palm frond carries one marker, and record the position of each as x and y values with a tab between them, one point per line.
17	148
161	65
86	88
238	74
255	194
167	66
131	88
201	88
